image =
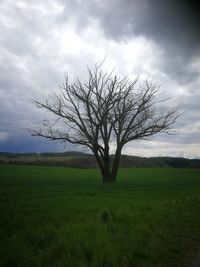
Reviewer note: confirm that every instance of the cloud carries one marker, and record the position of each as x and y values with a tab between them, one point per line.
40	41
163	149
172	25
22	143
3	136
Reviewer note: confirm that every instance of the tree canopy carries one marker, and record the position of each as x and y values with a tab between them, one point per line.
105	109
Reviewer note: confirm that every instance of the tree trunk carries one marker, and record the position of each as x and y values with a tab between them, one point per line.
110	177
107	178
116	162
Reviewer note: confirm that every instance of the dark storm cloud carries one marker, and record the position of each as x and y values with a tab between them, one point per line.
172	25
22	143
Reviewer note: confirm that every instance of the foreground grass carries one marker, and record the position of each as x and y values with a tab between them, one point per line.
66	217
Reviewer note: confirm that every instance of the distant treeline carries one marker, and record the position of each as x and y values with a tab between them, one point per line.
82	160
45	154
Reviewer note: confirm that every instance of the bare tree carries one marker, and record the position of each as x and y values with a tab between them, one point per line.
106	109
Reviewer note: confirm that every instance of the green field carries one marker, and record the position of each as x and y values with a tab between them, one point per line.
52	216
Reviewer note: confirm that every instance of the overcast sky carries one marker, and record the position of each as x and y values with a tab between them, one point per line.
41	41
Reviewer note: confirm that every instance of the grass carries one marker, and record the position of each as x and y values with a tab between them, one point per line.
66	217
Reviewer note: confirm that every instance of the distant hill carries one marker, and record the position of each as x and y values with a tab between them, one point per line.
83	160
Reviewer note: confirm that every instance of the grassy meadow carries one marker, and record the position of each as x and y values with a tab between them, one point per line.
54	216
